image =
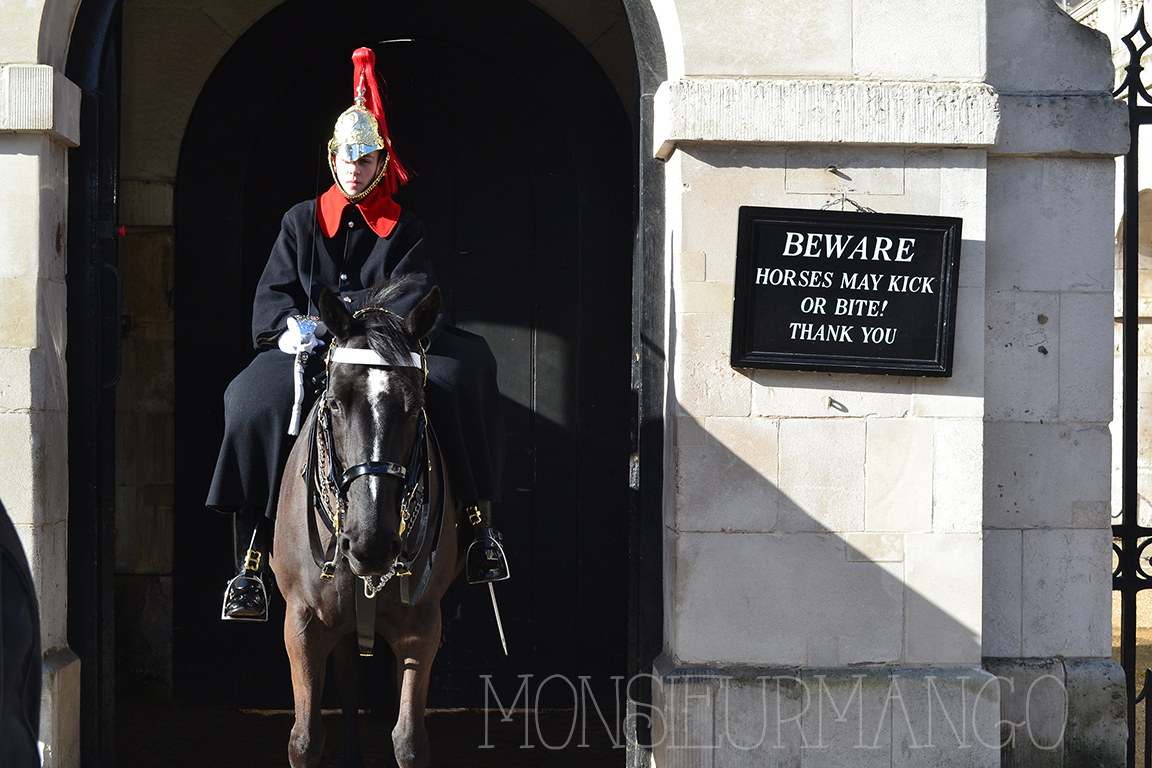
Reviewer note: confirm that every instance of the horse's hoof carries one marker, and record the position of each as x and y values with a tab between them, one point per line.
245	600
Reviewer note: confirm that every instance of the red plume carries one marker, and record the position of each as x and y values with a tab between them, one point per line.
364	76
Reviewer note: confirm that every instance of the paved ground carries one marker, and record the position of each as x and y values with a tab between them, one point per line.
170	737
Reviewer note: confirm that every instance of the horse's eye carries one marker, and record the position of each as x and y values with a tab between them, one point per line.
333	404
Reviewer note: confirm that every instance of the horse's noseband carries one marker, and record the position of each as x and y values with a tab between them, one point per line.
336	481
371	468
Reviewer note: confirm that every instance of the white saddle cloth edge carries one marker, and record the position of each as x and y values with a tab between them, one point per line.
369	357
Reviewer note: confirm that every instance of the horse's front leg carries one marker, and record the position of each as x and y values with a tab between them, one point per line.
308	651
414	654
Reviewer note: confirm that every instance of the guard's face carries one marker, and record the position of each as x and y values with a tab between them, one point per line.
354	177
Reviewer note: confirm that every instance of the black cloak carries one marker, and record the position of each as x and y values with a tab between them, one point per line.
462	398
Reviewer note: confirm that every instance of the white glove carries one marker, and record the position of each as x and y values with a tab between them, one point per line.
300	336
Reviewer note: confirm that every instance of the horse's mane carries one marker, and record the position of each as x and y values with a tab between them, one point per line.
387	335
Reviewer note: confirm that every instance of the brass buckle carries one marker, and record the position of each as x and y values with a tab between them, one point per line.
252	561
474	516
328	570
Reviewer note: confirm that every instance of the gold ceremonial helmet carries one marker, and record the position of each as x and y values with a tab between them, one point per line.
361	129
356	133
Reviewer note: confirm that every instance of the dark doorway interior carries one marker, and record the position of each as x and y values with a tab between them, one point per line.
524	156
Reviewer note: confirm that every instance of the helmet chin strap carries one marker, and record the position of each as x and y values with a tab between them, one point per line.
381	170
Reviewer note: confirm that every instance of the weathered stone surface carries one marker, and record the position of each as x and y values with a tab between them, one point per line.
1032	712
963	190
60	709
35	98
1068	243
918	41
765	41
1022	356
945	717
20	167
758	719
683	735
958	472
716	182
1062	55
55	29
1067	579
33	380
822	474
823	395
730	481
706	384
692	267
715	298
19	33
1003	593
33	486
943	589
874	547
1069	124
961	395
847	721
827	111
784	717
776	595
859	170
1097	715
1086	331
46	547
898	475
1034	472
1061	712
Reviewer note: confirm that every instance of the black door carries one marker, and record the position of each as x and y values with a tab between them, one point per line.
93	356
523	156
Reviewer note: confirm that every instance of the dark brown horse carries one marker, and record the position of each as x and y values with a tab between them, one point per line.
358	509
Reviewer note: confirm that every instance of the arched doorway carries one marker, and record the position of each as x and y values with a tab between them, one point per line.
524	156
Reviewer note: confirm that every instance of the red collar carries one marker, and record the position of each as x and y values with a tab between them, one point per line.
379	210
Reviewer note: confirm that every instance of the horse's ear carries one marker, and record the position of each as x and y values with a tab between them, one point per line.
423	316
334	314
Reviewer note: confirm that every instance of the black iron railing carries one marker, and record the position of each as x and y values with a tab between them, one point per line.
1129	538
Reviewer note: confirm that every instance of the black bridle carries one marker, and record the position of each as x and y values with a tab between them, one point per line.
328	482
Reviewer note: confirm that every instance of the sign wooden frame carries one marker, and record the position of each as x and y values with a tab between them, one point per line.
845	291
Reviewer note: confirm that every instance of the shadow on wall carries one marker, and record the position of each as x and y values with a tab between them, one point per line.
869	572
859	562
765	565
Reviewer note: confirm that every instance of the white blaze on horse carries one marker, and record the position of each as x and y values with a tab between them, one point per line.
368	536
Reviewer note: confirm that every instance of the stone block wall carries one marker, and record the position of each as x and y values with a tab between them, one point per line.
39	120
796	491
826	520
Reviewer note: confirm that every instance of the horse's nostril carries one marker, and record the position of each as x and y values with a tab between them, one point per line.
344	545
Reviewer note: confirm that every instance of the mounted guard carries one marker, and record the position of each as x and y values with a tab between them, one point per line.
349	238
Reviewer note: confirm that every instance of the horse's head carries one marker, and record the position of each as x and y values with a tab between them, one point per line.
374	411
